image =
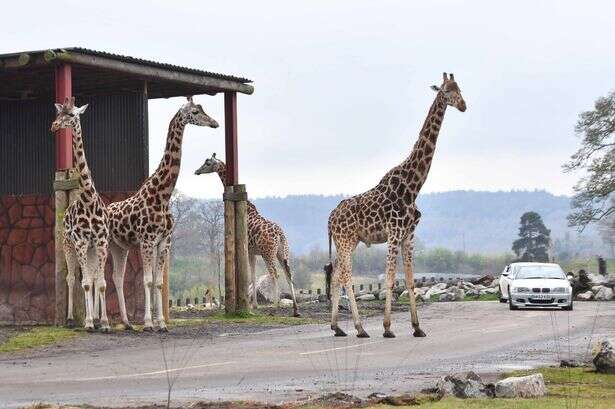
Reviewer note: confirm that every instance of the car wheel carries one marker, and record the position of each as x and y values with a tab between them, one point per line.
569	307
510	304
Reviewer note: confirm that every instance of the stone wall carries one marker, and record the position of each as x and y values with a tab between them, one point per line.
27	264
27	256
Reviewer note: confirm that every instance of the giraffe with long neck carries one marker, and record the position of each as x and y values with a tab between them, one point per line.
144	219
86	231
388	213
265	238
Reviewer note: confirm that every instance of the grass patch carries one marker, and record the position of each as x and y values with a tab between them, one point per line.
483	297
37	337
244	318
594	390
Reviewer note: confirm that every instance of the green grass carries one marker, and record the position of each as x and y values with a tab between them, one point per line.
483	297
244	318
37	337
594	390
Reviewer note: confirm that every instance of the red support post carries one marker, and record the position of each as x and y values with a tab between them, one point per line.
64	138
230	132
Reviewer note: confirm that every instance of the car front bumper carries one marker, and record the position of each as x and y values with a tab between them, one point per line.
541	300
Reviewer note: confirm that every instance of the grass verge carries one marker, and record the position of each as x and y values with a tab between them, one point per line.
36	337
567	387
245	318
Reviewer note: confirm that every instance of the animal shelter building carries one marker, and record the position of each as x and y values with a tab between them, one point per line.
36	182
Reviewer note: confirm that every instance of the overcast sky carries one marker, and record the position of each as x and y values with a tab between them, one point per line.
342	87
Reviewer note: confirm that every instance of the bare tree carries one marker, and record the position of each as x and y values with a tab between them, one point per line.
181	207
211	216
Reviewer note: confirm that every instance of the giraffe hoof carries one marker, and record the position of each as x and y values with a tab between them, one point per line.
339	332
70	323
128	327
296	315
148	328
362	334
388	334
90	329
105	330
163	329
96	323
419	333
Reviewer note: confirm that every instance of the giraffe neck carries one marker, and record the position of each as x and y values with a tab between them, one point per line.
419	161
168	169
81	164
222	174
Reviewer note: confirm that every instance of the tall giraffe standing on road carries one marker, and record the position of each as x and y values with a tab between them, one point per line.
265	238
144	219
86	226
388	213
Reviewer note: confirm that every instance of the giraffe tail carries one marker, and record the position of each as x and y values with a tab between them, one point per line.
328	271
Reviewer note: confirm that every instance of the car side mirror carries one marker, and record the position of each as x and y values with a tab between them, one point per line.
570	277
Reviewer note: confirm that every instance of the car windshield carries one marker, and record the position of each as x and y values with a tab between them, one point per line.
529	272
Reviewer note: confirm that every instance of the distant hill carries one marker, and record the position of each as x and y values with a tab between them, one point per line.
485	222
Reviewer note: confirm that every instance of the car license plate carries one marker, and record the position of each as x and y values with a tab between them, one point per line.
541	296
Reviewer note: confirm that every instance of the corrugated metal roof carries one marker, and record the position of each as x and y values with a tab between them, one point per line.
141	61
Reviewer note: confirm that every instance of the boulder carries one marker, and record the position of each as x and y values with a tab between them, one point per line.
463	385
453	294
604	356
530	386
383	295
603	294
597	279
492	290
474	292
404	295
366	297
586	296
434	291
285	303
610	280
446	297
485	280
264	289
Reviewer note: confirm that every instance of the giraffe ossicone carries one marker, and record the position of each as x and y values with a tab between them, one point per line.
265	238
388	213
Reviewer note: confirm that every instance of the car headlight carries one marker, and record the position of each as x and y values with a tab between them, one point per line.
520	290
562	290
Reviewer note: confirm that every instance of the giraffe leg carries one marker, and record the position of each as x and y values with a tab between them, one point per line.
148	258
355	311
81	249
391	270
72	265
252	260
408	249
163	253
120	257
101	284
335	301
289	278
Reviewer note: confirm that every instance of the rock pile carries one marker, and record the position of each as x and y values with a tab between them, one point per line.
596	287
469	385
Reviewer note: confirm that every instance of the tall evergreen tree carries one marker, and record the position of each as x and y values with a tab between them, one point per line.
595	192
534	240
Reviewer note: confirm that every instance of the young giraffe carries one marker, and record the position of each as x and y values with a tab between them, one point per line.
86	231
144	218
387	213
265	238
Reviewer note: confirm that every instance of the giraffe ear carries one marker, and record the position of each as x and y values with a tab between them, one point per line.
58	108
189	99
214	155
435	88
81	110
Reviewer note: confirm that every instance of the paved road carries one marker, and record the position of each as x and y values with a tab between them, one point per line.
297	362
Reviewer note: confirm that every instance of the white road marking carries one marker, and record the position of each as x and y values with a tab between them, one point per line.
138	375
338	348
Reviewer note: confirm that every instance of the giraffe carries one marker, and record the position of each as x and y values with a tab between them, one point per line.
86	225
265	238
144	219
388	213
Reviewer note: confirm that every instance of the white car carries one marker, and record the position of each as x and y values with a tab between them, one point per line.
535	285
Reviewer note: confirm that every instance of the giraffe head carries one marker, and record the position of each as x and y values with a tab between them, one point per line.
211	165
451	92
194	114
67	114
